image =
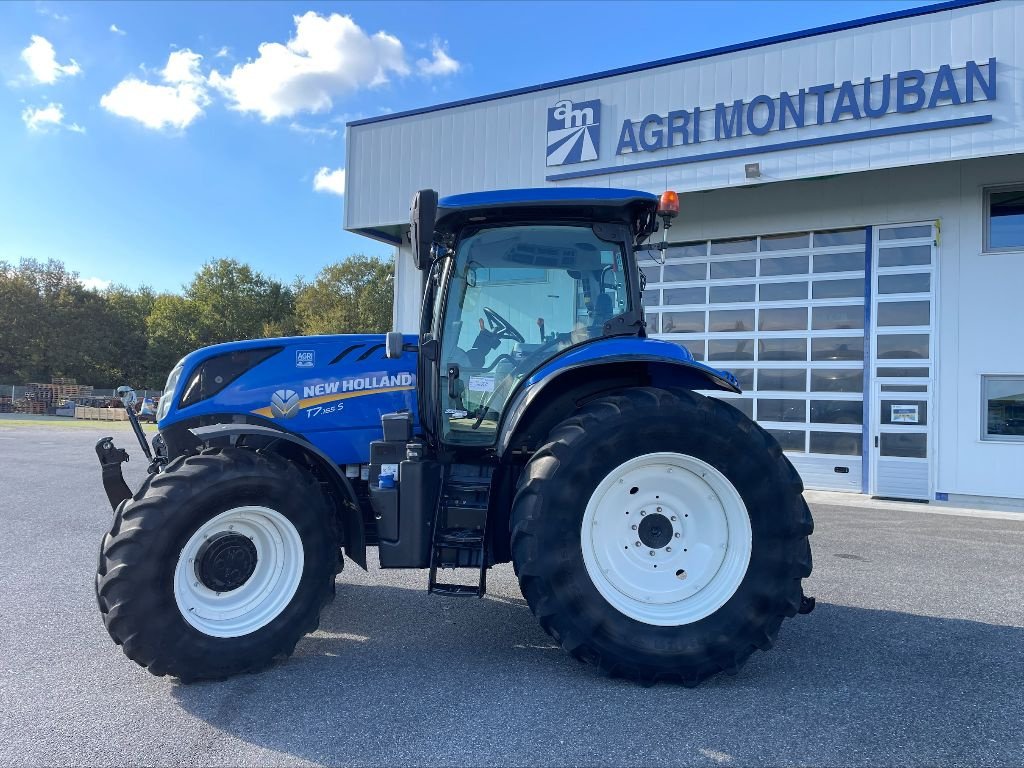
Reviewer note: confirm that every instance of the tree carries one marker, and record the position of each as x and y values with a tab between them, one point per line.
21	318
173	328
128	311
351	296
52	325
234	301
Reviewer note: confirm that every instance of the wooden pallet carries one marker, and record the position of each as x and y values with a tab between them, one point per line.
100	414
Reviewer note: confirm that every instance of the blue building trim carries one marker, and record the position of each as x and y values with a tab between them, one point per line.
865	464
908	13
841	138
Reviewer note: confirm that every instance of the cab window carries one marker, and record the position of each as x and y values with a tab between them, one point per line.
517	297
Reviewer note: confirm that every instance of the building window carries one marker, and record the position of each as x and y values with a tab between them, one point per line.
1002	408
1004	219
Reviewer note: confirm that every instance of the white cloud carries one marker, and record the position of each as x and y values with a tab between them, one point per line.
223	53
331	182
44	11
48	118
326	57
42	118
95	283
440	63
183	67
117	30
41	59
313	130
174	105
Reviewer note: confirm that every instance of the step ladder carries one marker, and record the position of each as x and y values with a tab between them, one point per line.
460	529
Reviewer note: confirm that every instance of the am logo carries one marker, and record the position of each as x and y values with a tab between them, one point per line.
574	132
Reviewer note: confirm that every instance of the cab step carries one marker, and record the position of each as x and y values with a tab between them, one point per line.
460	530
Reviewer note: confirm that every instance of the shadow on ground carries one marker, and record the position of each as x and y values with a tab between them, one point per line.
399	677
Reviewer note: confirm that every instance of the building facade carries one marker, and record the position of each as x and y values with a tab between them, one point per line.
851	242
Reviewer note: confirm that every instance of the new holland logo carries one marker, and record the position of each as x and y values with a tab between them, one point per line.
574	132
284	404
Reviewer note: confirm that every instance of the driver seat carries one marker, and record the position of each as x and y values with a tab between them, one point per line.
601	314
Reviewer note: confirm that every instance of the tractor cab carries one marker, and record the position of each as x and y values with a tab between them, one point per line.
514	280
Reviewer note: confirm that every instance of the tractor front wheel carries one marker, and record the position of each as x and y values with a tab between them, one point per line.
661	535
219	565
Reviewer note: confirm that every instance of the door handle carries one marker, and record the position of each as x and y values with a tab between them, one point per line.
876	441
453	376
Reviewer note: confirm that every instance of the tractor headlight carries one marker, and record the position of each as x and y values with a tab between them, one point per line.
215	373
172	382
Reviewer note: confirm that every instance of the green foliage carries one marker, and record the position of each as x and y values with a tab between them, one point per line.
350	296
51	325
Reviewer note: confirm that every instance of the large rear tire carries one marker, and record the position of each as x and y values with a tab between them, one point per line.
661	536
218	565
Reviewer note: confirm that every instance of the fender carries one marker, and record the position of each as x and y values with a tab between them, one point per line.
656	362
349	510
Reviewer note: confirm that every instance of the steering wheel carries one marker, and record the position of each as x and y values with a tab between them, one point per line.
501	327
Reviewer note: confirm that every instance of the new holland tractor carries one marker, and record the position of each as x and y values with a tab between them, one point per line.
657	533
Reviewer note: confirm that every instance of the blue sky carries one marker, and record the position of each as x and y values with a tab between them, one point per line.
139	140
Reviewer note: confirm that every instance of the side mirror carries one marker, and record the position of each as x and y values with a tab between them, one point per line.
421	226
393	343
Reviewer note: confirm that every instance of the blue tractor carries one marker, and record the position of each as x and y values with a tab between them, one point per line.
657	533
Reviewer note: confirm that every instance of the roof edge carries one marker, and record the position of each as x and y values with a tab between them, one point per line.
880	18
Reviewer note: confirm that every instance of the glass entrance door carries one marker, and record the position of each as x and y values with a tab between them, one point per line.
902	362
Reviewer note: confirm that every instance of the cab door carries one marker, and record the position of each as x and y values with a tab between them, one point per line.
517	296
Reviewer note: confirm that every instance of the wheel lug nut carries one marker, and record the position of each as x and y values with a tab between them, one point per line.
659	509
668	549
677	535
634	527
673	518
652	553
642	512
637	544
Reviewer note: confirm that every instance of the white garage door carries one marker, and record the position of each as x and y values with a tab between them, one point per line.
784	313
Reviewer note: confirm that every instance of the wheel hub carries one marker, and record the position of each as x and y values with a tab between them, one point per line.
666	538
225	561
655	531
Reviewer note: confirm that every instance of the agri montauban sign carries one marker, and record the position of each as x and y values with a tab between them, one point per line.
852	106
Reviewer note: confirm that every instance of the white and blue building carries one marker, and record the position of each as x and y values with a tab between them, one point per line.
851	242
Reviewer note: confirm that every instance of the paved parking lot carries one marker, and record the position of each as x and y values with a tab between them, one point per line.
915	656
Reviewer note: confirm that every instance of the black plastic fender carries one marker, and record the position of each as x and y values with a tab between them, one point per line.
349	511
601	374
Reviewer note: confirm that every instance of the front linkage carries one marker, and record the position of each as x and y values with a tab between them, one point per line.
111	458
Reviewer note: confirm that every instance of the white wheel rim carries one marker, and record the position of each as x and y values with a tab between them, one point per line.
708	549
263	596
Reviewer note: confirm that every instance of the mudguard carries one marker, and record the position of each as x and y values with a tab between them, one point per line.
665	363
351	519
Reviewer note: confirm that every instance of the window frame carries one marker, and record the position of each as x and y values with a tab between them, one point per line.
986	230
986	436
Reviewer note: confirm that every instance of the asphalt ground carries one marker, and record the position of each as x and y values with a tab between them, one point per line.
914	656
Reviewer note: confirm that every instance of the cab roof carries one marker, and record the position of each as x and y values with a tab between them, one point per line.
598	204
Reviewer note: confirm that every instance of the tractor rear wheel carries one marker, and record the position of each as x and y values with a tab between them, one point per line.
661	535
218	565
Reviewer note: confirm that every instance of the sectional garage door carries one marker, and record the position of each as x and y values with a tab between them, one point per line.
784	313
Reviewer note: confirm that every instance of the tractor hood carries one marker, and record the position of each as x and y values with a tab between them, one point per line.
330	389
